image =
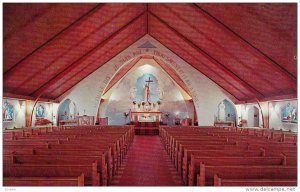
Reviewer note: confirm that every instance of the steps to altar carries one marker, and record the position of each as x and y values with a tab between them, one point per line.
146	128
146	131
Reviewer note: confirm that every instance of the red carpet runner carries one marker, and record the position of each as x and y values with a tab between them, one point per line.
147	164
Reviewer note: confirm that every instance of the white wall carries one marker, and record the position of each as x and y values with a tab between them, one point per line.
120	100
275	122
205	93
243	111
19	120
20	113
55	111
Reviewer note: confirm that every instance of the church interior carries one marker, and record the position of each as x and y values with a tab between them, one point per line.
149	94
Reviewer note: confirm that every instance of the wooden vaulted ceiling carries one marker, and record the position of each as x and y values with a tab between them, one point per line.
249	50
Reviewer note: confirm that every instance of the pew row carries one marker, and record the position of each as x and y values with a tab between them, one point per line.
91	175
254	182
207	173
44	181
194	166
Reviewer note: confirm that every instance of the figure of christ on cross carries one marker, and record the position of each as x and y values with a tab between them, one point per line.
147	90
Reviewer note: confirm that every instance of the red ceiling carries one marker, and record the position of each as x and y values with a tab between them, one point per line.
249	50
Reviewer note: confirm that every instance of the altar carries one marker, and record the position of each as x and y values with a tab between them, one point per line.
146	116
146	111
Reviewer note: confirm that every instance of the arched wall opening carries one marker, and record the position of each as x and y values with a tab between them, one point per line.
166	95
205	93
226	112
67	110
253	117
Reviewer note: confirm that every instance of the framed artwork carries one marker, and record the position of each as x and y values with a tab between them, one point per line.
7	111
40	111
289	114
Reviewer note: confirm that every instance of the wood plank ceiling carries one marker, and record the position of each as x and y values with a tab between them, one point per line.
249	50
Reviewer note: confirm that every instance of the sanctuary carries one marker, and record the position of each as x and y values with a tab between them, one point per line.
150	94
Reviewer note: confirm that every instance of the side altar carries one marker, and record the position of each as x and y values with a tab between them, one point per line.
78	121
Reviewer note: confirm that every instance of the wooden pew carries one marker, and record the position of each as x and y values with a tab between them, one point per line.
178	151
72	143
90	172
82	138
89	146
44	181
214	153
104	153
254	182
62	159
194	166
21	145
29	131
206	176
183	160
175	148
267	148
184	141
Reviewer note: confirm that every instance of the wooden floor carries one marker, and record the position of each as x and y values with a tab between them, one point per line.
147	164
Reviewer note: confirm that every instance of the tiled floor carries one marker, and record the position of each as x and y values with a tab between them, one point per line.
147	164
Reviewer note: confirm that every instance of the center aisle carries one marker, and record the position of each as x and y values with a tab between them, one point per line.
147	164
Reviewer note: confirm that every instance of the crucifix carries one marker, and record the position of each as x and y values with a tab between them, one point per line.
147	90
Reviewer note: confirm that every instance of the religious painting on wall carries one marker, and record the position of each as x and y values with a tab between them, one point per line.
40	111
7	111
289	114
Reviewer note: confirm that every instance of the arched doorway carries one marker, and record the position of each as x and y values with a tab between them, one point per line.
67	110
253	117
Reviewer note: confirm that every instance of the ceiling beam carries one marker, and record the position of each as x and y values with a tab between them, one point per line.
60	75
206	75
69	49
17	67
213	60
276	29
147	18
239	61
254	50
25	97
83	69
207	67
33	18
271	98
97	67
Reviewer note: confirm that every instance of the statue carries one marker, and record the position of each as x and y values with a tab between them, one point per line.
222	111
147	90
